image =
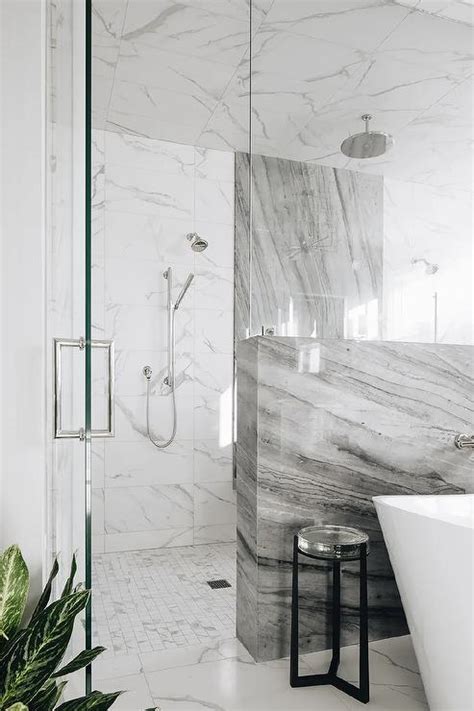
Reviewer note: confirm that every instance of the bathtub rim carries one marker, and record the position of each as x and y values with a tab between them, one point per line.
396	501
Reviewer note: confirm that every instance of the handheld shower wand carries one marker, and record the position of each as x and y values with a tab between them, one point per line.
169	379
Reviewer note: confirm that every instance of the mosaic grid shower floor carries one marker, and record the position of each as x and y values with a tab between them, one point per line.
158	599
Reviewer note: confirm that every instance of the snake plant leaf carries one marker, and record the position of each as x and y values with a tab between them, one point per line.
18	707
14	584
38	652
46	594
47	697
82	660
68	588
96	701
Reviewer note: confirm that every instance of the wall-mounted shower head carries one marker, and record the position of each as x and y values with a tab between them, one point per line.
430	268
198	244
368	144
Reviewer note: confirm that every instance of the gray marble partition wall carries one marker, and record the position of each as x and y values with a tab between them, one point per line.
313	263
323	426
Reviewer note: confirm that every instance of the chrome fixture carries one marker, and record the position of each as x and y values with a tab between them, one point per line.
198	244
429	268
463	441
169	379
368	144
60	432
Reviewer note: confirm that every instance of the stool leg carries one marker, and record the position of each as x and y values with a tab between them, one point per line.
336	617
294	651
364	629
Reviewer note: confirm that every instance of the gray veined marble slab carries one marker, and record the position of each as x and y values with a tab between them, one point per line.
312	265
324	425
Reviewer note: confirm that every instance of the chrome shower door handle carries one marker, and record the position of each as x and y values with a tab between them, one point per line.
59	431
109	431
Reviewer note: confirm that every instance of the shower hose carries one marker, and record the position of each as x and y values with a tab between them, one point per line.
169	380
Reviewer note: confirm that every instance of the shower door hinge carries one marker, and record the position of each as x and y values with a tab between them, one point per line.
59	431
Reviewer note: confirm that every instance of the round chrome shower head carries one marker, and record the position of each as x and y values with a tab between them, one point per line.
198	244
368	144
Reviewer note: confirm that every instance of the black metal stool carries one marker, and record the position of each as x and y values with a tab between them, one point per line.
335	543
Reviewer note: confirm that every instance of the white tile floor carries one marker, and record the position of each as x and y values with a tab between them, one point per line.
223	677
171	643
153	600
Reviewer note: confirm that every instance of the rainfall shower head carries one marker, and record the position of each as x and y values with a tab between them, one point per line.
368	144
198	244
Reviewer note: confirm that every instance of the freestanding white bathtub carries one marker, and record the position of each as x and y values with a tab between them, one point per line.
430	541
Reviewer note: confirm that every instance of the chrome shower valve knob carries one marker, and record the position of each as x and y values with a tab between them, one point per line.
147	372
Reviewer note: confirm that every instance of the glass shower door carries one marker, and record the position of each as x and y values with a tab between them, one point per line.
73	419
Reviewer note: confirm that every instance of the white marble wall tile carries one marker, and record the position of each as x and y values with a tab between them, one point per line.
130	415
141	464
212	462
427	255
142	508
141	540
213	404
214	165
424	39
159	105
217	533
214	286
325	64
150	127
214	331
201	78
188	30
141	282
353	23
148	237
143	237
144	328
147	192
214	201
214	503
158	156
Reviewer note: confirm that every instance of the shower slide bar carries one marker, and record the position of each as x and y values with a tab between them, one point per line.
60	344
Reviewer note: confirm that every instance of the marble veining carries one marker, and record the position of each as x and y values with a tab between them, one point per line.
148	194
316	250
180	71
334	423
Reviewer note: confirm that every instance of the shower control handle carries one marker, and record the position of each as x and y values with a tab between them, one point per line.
463	441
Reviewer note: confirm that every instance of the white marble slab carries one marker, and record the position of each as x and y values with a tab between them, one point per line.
214	503
144	508
212	462
140	464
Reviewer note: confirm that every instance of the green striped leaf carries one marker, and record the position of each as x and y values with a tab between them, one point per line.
68	588
96	701
79	662
14	584
38	652
18	707
47	697
46	594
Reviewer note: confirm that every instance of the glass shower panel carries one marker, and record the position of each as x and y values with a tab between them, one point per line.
356	244
170	114
66	297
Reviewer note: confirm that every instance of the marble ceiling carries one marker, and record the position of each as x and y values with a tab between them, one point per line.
179	70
